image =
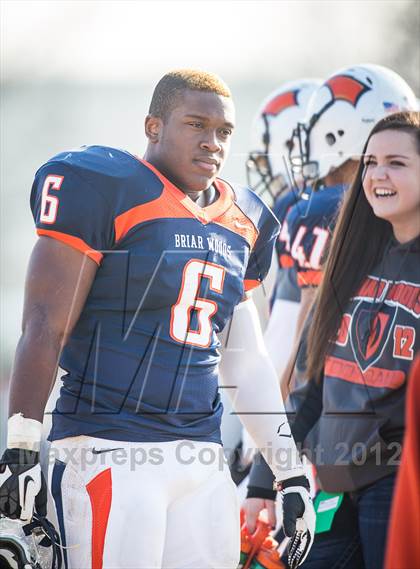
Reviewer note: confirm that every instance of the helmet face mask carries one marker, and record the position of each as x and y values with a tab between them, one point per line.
14	553
260	177
268	168
299	151
305	172
340	116
29	545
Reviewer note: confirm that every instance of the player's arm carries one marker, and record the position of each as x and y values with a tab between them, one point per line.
307	402
250	380
256	398
75	223
57	284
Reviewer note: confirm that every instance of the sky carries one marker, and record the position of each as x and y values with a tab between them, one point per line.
140	40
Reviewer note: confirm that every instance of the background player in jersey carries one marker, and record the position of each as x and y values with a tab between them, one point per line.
273	130
268	175
139	265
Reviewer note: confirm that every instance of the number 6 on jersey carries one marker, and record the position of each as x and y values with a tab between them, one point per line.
188	301
49	204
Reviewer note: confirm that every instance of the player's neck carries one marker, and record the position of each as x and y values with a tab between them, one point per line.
205	197
202	198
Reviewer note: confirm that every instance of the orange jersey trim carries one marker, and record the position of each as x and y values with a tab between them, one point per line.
173	203
286	261
250	284
373	377
73	242
100	494
203	214
160	208
309	278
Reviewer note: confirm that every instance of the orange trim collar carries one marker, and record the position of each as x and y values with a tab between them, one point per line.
203	214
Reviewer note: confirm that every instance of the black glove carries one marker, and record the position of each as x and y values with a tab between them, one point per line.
22	485
298	518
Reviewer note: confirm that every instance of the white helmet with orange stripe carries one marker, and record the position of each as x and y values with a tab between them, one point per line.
342	112
267	166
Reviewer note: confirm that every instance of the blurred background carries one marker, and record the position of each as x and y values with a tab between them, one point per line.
82	72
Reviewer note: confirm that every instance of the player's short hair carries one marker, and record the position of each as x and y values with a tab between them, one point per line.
172	85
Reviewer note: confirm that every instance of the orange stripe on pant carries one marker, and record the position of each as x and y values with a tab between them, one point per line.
100	494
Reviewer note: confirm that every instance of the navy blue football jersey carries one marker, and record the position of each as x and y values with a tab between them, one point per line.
141	362
310	224
286	287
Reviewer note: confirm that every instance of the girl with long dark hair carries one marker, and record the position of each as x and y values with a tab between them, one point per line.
365	330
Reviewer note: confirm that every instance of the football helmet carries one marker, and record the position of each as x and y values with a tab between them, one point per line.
267	168
340	115
34	545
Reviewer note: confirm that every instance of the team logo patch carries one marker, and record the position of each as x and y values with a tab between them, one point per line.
346	88
281	103
370	332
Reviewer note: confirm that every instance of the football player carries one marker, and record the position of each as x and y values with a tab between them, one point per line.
268	166
139	265
269	176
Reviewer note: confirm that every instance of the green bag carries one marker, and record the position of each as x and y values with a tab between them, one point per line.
326	506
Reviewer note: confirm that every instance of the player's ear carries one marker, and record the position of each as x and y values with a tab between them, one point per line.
152	128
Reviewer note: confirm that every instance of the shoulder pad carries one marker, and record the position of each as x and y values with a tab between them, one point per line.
252	206
98	160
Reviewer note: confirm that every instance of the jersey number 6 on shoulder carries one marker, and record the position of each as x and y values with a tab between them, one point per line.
49	204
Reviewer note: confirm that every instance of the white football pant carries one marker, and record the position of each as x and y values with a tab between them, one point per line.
144	505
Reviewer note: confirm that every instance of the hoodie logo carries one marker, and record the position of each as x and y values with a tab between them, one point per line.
281	103
370	332
346	88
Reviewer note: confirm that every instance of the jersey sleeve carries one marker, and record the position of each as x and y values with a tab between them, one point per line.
281	209
262	252
72	210
283	246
